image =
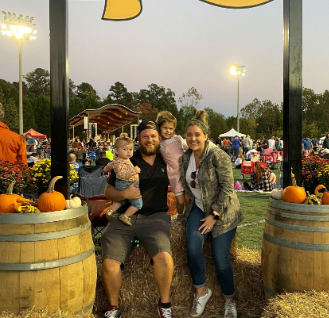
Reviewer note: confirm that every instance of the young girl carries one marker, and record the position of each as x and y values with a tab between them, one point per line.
126	174
171	148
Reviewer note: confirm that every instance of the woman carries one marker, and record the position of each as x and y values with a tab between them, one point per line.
207	176
261	179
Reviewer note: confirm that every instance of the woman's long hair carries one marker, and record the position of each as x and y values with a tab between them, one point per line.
259	171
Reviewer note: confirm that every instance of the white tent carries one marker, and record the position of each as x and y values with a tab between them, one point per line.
232	133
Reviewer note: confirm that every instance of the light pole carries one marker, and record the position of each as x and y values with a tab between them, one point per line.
238	70
22	29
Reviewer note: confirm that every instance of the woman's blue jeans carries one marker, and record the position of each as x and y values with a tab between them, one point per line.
221	246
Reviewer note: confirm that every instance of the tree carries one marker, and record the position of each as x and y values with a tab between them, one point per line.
11	113
191	98
28	114
41	109
186	113
85	90
38	82
120	95
217	124
149	112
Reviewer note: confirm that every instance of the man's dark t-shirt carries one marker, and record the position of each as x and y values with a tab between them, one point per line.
153	184
102	162
265	144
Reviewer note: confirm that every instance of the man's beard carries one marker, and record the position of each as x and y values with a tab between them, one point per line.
149	151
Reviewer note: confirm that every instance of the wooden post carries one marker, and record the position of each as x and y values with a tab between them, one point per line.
292	90
59	93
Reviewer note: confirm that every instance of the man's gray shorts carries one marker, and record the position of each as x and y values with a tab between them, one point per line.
153	232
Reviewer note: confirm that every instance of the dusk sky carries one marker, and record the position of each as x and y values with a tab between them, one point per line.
177	44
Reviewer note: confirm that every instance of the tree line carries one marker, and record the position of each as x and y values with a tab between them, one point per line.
257	118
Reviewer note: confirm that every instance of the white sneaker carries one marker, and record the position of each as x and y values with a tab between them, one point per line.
200	303
230	310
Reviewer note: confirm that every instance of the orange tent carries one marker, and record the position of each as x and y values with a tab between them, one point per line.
34	134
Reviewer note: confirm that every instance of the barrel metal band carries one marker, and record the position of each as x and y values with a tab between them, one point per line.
298	227
298	216
294	207
44	236
296	245
270	291
46	265
85	309
42	217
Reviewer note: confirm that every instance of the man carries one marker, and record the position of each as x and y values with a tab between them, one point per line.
246	144
325	144
307	147
271	143
11	144
236	146
151	224
30	143
264	144
103	160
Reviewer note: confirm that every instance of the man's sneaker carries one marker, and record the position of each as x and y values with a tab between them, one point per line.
165	312
114	313
230	310
200	303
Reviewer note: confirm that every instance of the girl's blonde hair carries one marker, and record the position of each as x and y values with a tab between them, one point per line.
166	117
200	120
124	139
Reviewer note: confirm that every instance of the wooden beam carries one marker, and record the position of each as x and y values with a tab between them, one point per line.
292	90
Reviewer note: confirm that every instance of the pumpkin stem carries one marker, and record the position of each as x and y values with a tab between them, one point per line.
52	184
10	188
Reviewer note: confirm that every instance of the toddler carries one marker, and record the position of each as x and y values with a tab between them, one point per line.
126	174
171	148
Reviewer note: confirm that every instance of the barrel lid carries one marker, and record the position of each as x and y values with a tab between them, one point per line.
43	217
280	204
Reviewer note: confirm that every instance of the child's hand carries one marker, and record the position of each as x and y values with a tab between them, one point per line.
137	169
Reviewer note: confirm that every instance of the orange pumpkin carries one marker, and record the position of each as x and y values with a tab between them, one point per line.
51	200
171	202
325	198
8	200
320	187
294	194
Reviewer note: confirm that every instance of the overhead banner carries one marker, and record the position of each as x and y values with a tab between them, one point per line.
119	10
236	3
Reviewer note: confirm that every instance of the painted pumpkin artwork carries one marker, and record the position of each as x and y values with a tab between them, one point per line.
117	10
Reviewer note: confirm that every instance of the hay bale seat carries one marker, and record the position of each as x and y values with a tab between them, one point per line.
139	293
310	304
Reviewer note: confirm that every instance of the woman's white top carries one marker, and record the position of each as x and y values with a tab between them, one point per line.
196	192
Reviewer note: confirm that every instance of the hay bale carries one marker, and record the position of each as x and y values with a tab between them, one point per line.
310	304
139	294
41	314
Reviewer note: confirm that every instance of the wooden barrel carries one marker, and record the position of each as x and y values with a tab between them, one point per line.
47	260
295	251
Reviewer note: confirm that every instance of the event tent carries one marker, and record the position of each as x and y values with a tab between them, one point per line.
34	134
232	133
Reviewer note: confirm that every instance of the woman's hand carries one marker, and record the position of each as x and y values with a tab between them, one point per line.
208	224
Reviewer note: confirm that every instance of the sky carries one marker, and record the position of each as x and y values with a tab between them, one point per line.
177	44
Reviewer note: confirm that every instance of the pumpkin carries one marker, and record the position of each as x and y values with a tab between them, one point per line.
51	200
171	202
73	203
27	209
8	200
325	198
277	193
294	194
320	189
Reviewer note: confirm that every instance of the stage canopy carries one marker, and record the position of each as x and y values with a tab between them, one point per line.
232	133
108	117
34	134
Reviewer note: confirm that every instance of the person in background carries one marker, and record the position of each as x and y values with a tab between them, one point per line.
80	154
11	144
30	143
236	146
271	143
103	160
73	161
308	147
246	144
238	161
261	178
85	163
214	209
